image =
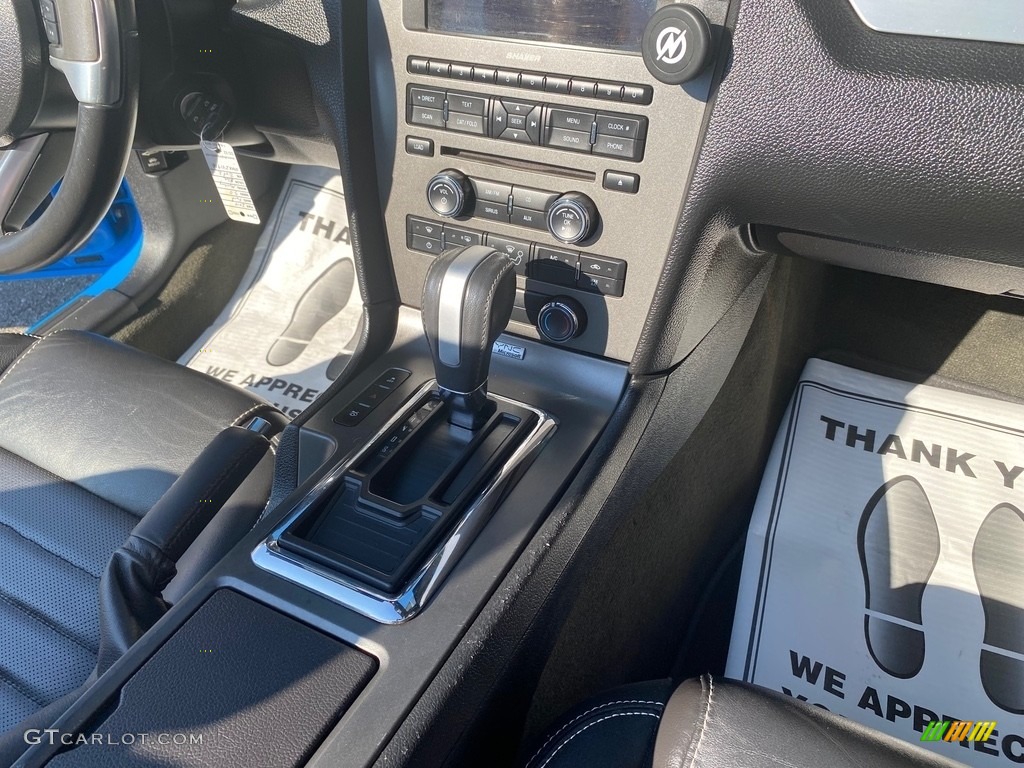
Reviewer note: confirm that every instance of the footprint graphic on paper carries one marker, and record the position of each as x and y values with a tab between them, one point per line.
996	556
898	543
325	298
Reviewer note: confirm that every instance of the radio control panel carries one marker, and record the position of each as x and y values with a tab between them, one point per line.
574	161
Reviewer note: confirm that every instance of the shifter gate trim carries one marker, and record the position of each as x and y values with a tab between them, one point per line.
428	579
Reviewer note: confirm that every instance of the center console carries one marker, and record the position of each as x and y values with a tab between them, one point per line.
532	166
540	131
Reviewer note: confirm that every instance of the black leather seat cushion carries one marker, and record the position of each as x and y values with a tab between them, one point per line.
92	433
718	724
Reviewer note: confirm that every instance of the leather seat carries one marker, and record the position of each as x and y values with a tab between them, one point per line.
717	723
92	435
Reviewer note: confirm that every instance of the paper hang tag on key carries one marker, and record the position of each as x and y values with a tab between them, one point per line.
227	177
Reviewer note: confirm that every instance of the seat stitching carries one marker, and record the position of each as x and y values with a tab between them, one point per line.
704	720
21	357
39	617
6	677
576	719
591	725
47	549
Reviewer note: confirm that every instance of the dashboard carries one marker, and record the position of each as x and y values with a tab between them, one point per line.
551	142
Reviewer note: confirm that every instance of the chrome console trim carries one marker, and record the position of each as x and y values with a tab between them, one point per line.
413	598
994	21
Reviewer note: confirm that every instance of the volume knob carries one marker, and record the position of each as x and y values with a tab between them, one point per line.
449	193
572	218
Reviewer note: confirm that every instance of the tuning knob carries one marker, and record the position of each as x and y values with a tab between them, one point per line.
561	319
572	218
449	193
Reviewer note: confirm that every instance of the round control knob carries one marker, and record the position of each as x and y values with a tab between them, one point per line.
677	43
572	218
449	193
561	319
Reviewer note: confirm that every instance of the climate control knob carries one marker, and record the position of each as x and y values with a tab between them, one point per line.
561	319
449	193
572	218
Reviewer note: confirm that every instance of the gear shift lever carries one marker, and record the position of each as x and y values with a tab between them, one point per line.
467	302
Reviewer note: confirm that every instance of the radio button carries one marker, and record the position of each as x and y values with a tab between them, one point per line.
609	91
533	125
424	97
467	123
438	68
423	116
583	87
417	146
620	125
492	191
508	77
637	94
534	199
571	120
556	84
461	72
417	65
518	107
467	104
525	217
518	135
516	121
486	209
613	146
532	80
576	141
485	75
617	181
499	119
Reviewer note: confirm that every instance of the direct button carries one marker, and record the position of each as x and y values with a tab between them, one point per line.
576	141
423	97
571	120
599	265
464	102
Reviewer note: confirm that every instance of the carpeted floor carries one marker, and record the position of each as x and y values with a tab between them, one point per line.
25	302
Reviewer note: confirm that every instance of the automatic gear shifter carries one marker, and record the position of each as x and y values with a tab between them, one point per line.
467	302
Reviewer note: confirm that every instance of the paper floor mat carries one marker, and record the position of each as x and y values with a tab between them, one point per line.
293	323
883	577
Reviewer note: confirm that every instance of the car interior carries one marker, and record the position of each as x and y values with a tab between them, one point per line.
605	383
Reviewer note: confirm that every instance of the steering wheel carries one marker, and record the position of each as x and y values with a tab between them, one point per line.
94	43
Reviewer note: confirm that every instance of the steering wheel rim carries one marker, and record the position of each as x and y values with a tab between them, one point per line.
107	89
